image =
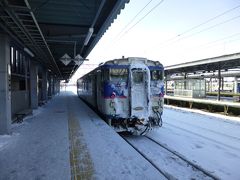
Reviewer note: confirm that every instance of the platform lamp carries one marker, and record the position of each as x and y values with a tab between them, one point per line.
90	32
28	52
66	59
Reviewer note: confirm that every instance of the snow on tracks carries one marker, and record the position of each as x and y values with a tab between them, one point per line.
171	164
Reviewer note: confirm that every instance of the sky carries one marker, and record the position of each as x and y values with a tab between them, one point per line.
169	31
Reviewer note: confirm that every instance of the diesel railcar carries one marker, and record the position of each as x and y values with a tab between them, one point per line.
128	92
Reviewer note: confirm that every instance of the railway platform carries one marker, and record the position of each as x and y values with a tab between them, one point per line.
65	139
225	106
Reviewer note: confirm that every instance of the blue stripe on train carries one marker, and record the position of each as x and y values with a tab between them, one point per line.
108	66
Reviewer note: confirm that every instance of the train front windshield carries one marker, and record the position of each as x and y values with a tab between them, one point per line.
156	75
137	76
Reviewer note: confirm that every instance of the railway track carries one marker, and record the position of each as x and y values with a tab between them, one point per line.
168	162
166	175
205	137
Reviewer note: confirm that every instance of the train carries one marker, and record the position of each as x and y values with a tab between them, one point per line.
127	92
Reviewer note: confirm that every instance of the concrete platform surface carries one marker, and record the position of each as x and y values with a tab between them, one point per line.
65	139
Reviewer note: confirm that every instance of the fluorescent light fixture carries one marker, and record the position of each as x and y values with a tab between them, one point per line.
29	52
90	32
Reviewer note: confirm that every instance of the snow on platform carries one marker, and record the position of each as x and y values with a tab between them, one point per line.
65	139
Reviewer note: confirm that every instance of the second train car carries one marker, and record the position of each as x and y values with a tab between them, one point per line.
128	92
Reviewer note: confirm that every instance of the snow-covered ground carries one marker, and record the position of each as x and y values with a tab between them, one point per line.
39	148
210	142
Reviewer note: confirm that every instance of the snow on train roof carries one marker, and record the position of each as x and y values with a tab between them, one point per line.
130	60
126	61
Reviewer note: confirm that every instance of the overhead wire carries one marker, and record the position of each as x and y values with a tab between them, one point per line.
203	30
173	39
144	16
234	40
209	44
153	8
133	18
209	20
215	41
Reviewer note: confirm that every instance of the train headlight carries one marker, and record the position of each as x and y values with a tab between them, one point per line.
113	95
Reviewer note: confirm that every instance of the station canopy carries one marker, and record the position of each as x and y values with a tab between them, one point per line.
58	33
230	61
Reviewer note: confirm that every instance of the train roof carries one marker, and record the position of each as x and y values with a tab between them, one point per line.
129	60
125	61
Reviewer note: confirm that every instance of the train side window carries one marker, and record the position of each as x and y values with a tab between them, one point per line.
118	74
105	75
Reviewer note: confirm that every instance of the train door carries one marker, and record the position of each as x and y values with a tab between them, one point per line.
139	92
94	87
98	90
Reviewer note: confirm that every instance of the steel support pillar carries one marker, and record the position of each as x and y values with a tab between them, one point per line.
222	84
166	86
27	82
210	84
44	85
5	85
235	85
50	84
219	84
185	83
53	86
58	86
34	85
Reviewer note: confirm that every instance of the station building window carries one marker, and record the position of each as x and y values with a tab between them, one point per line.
13	60
20	70
19	62
18	84
22	85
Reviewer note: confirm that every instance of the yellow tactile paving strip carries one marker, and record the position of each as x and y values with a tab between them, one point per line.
80	160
